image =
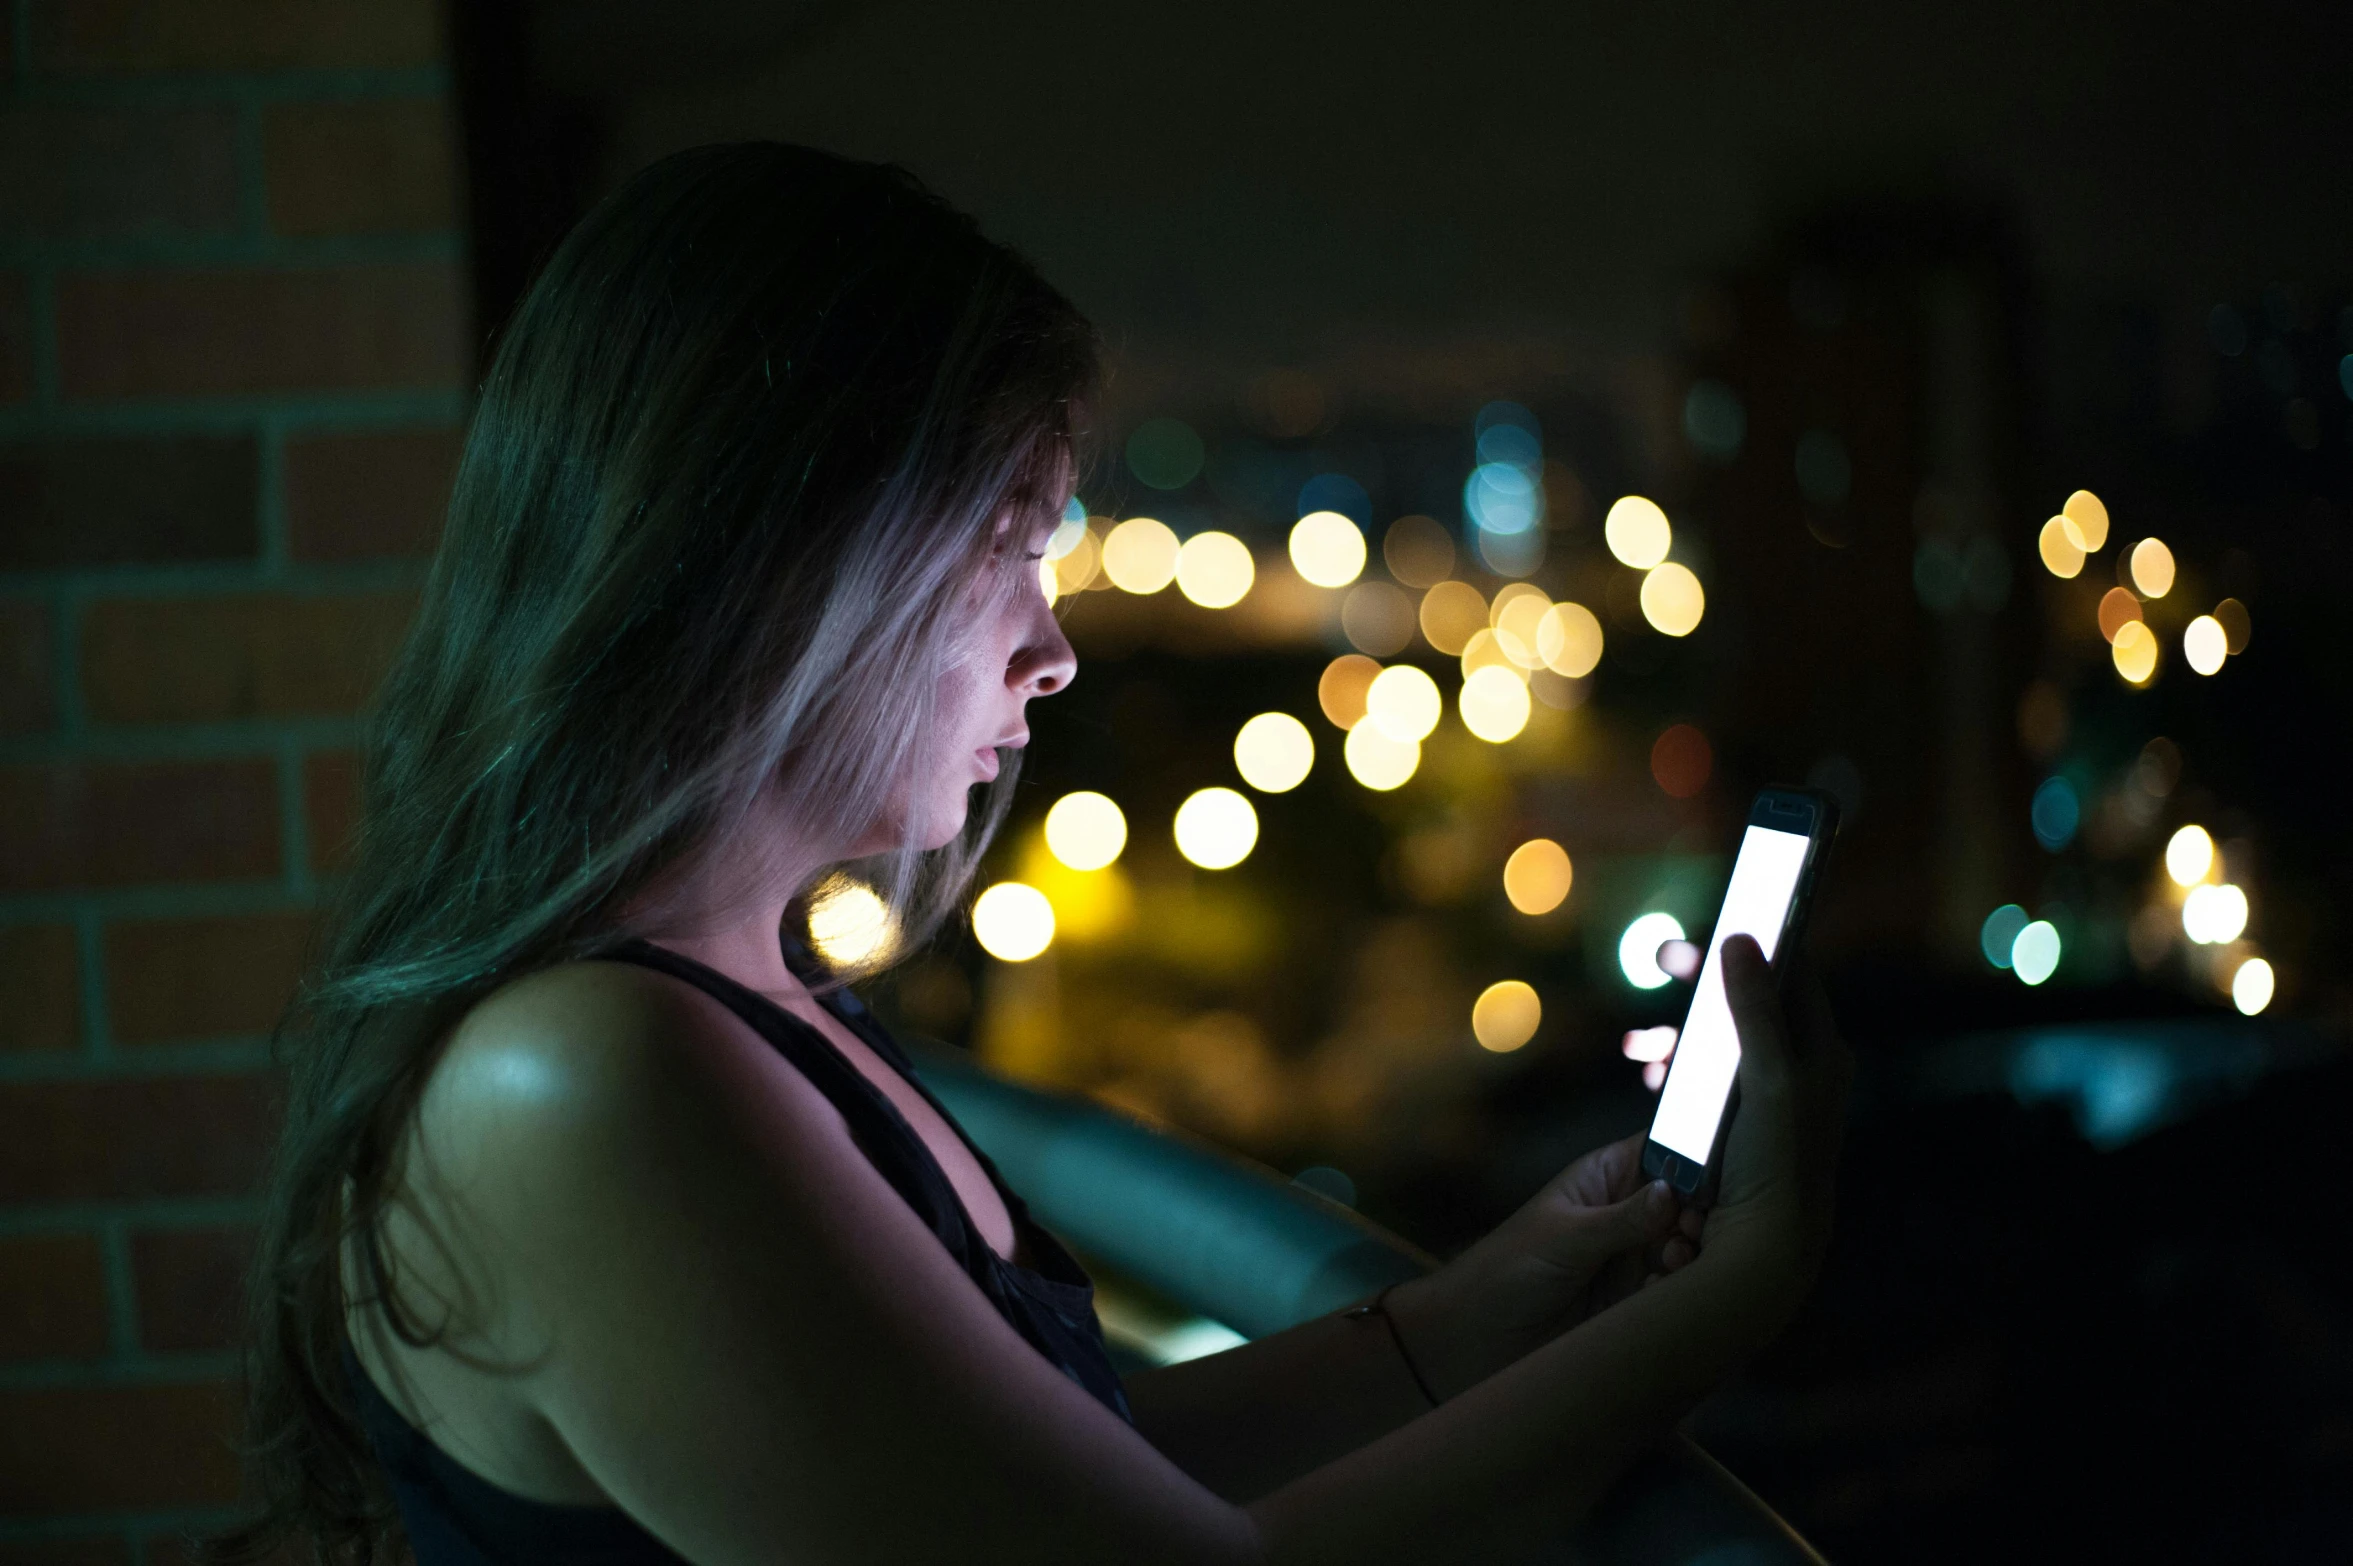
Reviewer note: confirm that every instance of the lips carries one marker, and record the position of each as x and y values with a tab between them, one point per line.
987	755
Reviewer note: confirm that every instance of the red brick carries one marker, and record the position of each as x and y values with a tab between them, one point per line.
388	166
257	655
234	35
16	340
369	496
119	1139
92	1449
78	173
176	979
129	823
191	1286
28	695
116	500
40	992
330	796
194	334
89	1550
52	1297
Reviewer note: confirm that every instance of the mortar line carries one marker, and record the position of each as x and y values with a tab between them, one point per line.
294	818
269	439
253	220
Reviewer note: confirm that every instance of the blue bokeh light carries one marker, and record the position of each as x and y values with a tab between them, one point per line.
1999	932
2056	813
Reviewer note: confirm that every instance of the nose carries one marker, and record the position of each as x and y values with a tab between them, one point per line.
1044	662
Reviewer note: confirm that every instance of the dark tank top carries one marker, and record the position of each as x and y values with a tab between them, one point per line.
455	1517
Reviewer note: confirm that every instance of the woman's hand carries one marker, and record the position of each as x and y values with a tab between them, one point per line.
1772	1210
1589	1238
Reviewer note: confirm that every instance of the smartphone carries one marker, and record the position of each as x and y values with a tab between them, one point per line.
1789	831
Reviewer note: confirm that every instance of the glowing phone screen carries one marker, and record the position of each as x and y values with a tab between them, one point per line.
1707	1053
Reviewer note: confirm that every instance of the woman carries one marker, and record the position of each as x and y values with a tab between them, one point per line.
607	1227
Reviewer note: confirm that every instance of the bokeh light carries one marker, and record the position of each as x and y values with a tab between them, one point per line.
1649	1045
1327	549
2152	568
1681	760
1999	933
1085	830
1637	532
1076	567
849	923
1339	691
2034	955
1216	828
2204	644
1140	555
1405	702
1274	752
2056	812
2189	855
2062	556
2135	652
1494	703
2251	987
1048	582
1506	1015
1515	617
1486	652
1503	497
2118	609
1013	921
1537	875
2235	624
1376	760
1377	618
2215	914
1672	599
1165	453
1451	614
1569	640
1214	570
2087	520
1418	551
1638	949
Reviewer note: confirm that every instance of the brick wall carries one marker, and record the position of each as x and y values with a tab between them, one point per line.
233	350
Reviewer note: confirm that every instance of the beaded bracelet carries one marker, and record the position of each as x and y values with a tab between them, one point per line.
1378	1306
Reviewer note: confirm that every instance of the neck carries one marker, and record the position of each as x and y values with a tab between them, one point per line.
708	914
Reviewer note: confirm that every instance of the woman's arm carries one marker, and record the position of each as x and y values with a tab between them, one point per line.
748	1340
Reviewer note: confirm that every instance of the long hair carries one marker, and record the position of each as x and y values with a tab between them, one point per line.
738	460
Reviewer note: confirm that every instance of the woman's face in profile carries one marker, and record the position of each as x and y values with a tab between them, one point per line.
1014	650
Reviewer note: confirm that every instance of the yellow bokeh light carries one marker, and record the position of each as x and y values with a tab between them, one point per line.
1537	875
1377	618
2204	644
1216	828
2135	652
1506	1016
1494	704
1637	532
1274	752
1048	582
1451	614
1419	551
1140	556
1486	652
1569	640
2118	608
1517	616
1376	760
1340	690
1327	549
2087	520
1214	570
850	924
2214	914
1013	921
2152	568
2252	986
2189	855
1085	830
1405	703
2235	624
2062	554
1672	599
1077	567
